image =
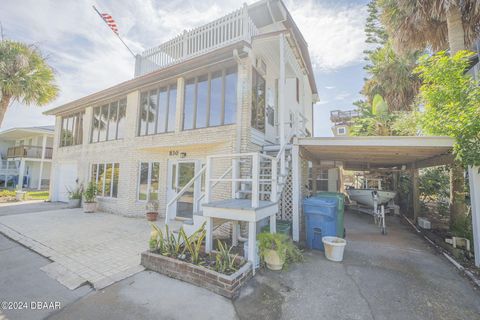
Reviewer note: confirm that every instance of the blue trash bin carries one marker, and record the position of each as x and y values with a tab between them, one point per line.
320	220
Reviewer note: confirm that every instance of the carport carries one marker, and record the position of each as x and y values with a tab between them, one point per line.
379	153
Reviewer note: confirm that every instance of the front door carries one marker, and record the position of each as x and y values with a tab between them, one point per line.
180	172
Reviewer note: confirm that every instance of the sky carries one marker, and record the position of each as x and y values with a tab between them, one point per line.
88	57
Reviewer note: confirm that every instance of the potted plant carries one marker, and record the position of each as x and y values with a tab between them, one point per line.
152	210
74	196
277	250
89	195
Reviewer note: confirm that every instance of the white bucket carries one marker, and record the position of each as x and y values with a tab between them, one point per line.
334	248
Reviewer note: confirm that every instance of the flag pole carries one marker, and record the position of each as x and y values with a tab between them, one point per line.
100	15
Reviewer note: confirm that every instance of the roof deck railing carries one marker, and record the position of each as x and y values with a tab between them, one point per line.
228	29
338	116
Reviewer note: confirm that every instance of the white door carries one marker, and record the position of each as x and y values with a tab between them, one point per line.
180	172
66	180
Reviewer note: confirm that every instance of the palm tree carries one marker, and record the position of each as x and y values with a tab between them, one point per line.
435	24
392	77
24	76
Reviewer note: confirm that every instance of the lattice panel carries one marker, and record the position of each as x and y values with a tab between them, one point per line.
286	203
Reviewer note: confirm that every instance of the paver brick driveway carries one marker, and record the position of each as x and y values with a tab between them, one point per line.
98	248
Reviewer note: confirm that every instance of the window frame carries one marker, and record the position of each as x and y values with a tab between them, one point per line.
223	83
168	88
149	180
115	166
119	104
76	130
256	73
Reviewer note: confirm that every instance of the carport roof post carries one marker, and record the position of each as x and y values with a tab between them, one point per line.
474	180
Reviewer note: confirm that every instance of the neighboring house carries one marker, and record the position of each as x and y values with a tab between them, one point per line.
342	121
26	157
208	117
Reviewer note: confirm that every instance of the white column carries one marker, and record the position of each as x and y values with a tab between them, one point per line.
273	223
281	102
296	192
474	180
180	103
255	180
40	174
252	243
234	233
21	172
209	236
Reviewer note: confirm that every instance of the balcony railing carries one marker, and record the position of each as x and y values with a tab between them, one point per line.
29	152
228	29
338	116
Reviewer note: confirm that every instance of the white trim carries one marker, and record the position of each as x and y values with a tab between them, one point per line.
296	192
474	180
379	141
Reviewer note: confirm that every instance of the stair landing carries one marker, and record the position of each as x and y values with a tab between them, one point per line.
239	209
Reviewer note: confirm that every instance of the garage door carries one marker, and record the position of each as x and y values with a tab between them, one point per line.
67	176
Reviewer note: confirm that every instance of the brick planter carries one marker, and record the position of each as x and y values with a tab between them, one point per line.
227	286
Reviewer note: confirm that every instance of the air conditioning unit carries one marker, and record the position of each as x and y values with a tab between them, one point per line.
261	66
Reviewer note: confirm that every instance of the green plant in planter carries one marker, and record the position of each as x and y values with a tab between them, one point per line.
193	244
224	260
279	247
156	241
75	194
90	192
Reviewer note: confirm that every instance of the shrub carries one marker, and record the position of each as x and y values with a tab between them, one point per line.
281	243
90	192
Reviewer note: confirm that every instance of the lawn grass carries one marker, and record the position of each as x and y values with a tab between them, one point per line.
37	195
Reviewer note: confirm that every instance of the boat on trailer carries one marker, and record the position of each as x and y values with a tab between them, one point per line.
367	196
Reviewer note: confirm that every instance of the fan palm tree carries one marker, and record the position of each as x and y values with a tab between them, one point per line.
24	76
392	77
437	24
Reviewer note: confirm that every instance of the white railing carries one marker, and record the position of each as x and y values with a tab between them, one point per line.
230	28
254	178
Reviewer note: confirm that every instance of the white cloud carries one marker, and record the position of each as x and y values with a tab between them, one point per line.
87	56
334	33
330	87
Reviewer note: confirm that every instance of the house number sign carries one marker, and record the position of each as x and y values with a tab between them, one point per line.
176	153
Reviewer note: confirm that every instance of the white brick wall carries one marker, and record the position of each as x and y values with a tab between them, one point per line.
132	150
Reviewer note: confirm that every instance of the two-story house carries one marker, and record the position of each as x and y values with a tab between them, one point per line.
209	116
26	155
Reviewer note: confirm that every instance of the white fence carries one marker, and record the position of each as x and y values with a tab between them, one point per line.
228	29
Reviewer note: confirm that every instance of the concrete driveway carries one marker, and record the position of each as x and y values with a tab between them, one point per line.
97	248
397	276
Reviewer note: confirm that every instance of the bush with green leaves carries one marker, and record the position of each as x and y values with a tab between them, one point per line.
452	102
282	244
90	193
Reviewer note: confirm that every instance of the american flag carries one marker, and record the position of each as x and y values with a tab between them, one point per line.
110	22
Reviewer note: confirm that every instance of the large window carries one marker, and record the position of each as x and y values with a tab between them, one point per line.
148	181
258	102
105	176
211	99
157	110
109	121
72	130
